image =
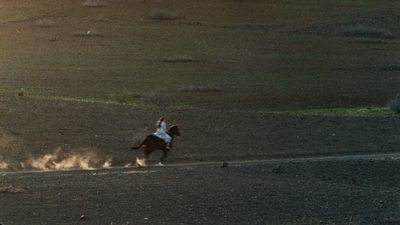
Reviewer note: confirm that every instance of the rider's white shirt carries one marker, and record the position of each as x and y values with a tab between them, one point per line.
161	132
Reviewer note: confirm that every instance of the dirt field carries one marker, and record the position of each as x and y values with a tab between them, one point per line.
206	134
269	81
312	191
257	54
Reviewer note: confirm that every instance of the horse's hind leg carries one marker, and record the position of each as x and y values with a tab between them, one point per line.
141	162
146	152
164	156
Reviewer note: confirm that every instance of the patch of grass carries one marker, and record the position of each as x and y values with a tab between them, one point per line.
102	19
360	30
107	100
95	3
365	111
156	98
394	104
11	189
153	98
125	96
159	14
196	88
178	59
375	49
368	41
88	33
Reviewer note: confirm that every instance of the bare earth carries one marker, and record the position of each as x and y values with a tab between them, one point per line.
341	190
191	189
243	79
36	127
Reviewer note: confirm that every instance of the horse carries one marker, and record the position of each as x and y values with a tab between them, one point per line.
152	143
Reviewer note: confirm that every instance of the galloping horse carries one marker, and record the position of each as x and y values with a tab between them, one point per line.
152	143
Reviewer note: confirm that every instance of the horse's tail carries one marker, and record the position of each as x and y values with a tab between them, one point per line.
140	145
136	147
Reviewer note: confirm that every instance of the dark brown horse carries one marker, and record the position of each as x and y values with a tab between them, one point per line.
152	143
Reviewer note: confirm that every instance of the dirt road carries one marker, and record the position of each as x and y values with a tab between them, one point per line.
342	190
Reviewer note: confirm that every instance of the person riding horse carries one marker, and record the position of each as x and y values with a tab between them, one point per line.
161	132
160	140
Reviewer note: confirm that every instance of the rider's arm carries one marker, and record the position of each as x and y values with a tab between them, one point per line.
163	126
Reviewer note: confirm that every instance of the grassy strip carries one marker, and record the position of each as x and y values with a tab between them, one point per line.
350	111
107	102
84	100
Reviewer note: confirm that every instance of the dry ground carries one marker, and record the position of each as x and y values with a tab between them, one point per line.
334	191
98	78
260	54
33	127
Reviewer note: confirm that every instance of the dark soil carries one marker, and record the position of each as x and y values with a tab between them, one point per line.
356	191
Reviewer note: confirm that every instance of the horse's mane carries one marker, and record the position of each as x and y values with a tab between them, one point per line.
172	127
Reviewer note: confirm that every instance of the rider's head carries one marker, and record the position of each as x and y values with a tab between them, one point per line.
160	121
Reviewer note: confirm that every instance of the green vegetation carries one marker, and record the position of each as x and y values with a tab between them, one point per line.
365	31
350	111
95	3
178	59
195	88
159	14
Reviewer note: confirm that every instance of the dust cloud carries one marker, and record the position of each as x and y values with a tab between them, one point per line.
3	165
61	159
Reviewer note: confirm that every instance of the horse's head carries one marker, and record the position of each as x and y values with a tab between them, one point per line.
174	131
